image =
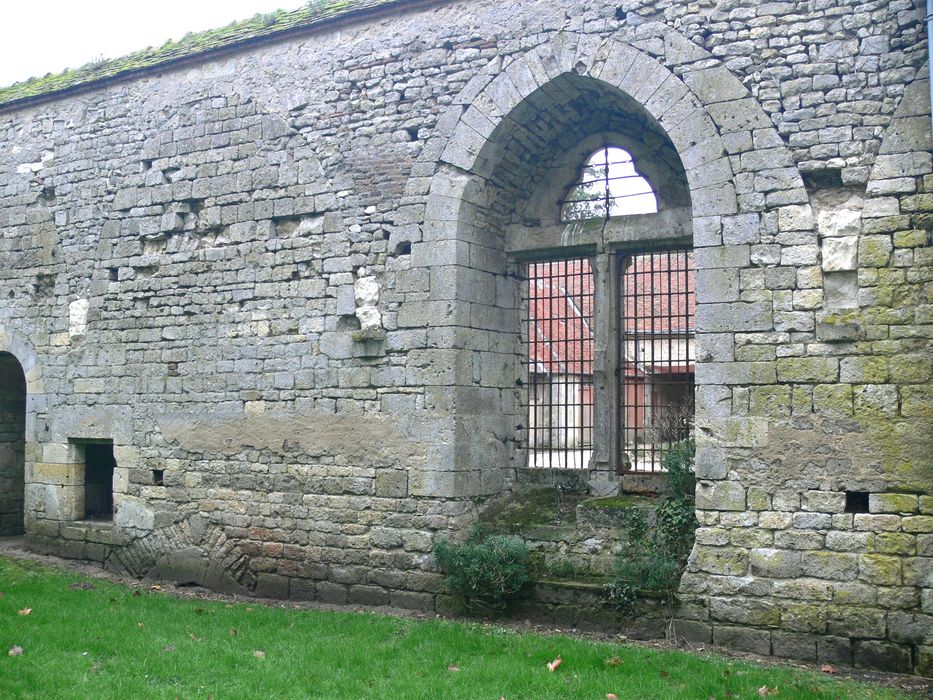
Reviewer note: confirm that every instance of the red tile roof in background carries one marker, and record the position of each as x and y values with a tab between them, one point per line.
660	298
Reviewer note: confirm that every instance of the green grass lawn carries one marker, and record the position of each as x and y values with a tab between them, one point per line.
86	638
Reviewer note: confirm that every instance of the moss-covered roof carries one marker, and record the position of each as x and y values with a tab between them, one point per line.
191	46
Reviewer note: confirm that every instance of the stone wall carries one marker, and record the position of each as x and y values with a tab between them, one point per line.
284	282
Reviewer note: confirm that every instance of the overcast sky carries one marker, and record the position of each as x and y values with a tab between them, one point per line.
47	36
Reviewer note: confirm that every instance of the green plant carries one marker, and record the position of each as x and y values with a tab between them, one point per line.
654	554
486	570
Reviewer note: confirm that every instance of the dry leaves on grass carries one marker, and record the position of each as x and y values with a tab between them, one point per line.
25	611
613	661
764	691
15	651
828	668
453	668
612	696
259	654
552	665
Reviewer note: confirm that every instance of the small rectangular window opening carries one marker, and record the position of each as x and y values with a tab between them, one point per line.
99	464
856	501
558	327
158	477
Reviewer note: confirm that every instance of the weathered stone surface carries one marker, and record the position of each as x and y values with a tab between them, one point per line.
288	286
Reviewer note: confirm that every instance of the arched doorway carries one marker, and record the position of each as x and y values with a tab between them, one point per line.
12	444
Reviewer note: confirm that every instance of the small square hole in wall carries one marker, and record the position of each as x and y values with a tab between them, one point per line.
856	501
158	477
99	464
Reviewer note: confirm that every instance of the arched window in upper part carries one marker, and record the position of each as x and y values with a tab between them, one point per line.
609	186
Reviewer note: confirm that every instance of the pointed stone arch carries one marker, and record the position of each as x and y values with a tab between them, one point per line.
735	164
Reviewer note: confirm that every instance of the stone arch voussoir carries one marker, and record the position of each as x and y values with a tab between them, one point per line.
18	345
717	128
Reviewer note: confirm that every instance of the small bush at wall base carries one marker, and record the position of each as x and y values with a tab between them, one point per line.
654	557
485	571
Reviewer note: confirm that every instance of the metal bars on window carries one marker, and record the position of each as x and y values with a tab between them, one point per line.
656	356
558	327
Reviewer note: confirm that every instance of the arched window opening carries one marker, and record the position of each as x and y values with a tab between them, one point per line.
609	186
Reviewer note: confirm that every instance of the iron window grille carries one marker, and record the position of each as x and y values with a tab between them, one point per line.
558	302
656	356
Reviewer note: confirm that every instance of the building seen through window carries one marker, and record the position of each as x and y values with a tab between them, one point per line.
652	332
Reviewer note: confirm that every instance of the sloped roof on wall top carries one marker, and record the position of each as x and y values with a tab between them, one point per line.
193	46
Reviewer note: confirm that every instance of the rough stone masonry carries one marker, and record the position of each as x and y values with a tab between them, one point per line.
279	278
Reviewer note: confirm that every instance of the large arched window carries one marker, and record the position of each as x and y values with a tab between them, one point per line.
647	315
609	185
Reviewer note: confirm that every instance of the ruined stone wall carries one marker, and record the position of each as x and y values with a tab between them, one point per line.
284	283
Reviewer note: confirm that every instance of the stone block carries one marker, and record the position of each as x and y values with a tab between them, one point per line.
839	222
824	501
918	571
877	523
856	622
813	521
270	585
804	589
905	503
721	561
863	370
720	495
391	483
775	563
302	589
840	254
368	595
775	520
880	569
692	631
795	218
874	251
883	656
803	617
909	627
799	539
328	592
834	650
840	290
918	524
832	566
847	541
807	369
743	639
750	611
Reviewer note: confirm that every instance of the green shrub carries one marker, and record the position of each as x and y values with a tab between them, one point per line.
654	555
485	571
